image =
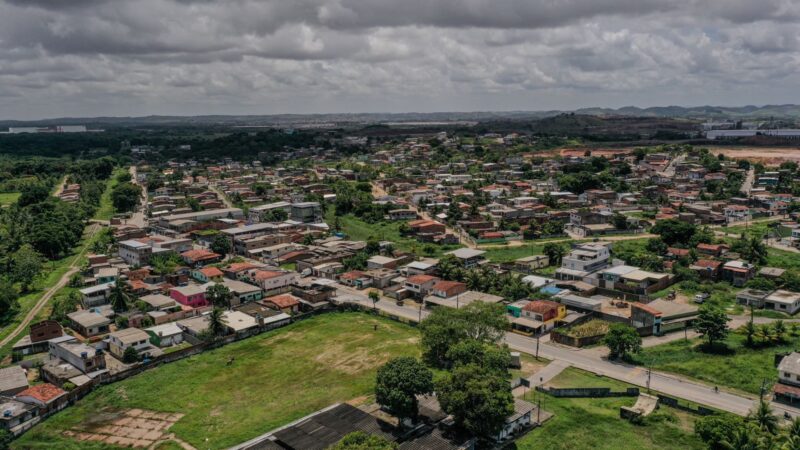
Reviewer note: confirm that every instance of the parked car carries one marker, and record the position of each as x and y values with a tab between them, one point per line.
701	297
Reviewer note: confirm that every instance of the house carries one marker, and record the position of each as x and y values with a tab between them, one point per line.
242	292
139	340
286	303
206	274
17	416
461	300
89	323
96	295
306	212
381	262
47	397
783	301
738	272
584	259
135	252
771	273
420	285
193	295
751	297
515	309
165	335
237	321
519	421
272	281
715	250
531	263
83	357
468	257
13	380
661	316
36	340
539	316
194	326
707	269
402	214
632	280
200	257
356	279
787	389
447	289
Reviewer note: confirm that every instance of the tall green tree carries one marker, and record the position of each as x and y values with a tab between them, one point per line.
26	265
712	324
622	340
479	400
221	245
398	383
126	196
555	253
216	322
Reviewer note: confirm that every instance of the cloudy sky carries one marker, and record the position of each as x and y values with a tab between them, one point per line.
140	57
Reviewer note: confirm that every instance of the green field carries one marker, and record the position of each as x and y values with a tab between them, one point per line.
741	369
7	198
277	377
105	210
359	230
594	423
501	254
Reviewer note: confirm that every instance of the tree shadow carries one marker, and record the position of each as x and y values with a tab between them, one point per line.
717	348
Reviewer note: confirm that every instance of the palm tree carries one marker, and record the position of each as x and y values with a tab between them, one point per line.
119	296
763	417
743	438
794	428
216	322
779	327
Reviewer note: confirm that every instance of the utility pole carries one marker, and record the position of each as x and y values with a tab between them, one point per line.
537	347
649	374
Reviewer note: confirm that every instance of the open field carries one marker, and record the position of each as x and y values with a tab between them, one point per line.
7	198
359	230
741	368
276	377
594	422
106	209
765	155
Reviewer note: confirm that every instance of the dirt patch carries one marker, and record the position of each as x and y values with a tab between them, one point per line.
137	428
770	156
569	152
530	367
348	361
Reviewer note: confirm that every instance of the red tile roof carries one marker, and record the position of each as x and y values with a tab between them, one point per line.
239	267
420	279
267	274
43	392
445	285
541	306
210	272
283	301
199	254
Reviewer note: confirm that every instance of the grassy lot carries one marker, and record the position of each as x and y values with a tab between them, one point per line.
595	423
783	259
758	229
106	209
741	368
502	254
358	230
7	198
277	377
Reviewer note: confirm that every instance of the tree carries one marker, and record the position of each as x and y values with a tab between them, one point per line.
622	340
119	296
479	400
555	253
374	296
620	221
656	246
673	231
221	245
130	355
445	327
359	440
31	193
216	322
717	428
712	323
398	383
762	416
126	196
26	265
219	295
488	356
8	297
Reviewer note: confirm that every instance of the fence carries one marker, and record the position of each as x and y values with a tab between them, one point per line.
674	403
588	392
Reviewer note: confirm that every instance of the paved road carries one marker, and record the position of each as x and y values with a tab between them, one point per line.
593	360
222	196
548	372
74	266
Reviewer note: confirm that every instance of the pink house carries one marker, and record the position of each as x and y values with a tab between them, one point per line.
192	295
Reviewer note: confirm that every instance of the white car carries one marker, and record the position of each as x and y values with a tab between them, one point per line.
701	297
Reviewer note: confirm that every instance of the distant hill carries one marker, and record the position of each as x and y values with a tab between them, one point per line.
788	111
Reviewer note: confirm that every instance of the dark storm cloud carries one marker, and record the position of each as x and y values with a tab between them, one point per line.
169	56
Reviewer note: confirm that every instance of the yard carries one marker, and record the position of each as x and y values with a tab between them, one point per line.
594	422
741	368
359	230
7	198
275	378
